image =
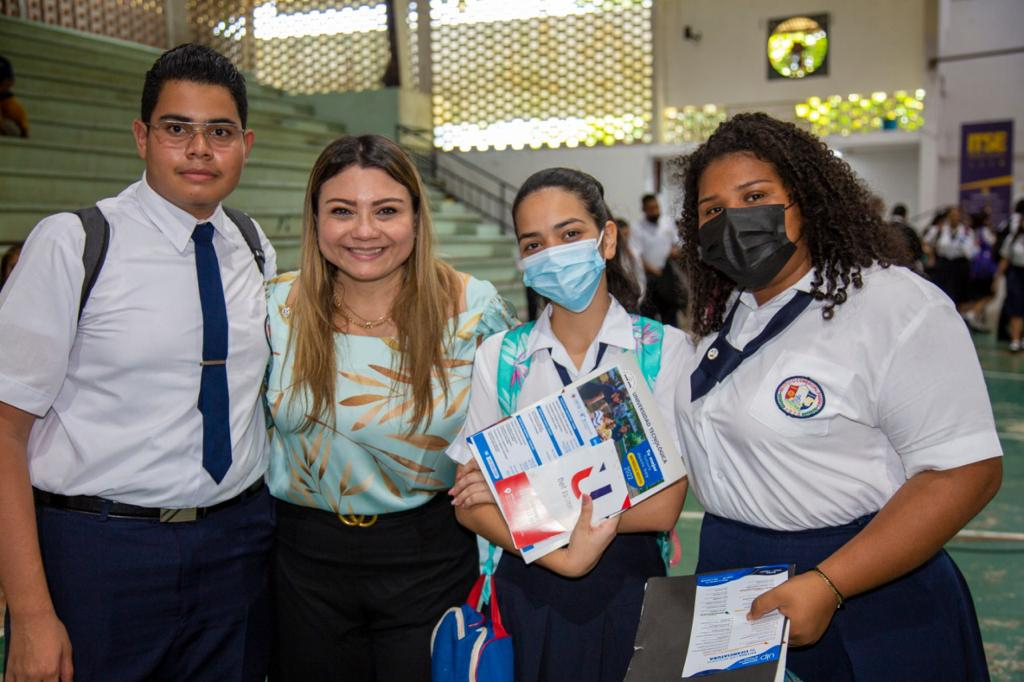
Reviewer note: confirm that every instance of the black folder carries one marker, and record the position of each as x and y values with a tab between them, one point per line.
664	636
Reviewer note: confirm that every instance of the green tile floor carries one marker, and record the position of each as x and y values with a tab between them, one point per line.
994	568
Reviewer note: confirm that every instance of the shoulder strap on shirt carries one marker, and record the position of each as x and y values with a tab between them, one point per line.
248	229
513	366
647	339
97	239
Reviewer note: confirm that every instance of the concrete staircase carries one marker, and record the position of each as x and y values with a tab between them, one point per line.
82	93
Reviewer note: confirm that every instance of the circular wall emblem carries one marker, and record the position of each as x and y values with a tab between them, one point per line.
800	397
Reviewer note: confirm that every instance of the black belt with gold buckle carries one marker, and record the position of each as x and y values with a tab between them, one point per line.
87	504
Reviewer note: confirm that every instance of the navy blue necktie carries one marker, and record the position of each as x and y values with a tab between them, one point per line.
213	388
721	358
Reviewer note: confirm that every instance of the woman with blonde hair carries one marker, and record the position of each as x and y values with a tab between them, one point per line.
372	342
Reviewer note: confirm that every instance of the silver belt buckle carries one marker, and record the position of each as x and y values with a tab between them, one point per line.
178	515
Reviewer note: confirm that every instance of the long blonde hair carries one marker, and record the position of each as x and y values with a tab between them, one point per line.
422	310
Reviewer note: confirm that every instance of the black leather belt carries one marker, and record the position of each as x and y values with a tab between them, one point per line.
98	505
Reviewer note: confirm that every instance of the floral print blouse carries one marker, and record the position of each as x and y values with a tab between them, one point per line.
367	463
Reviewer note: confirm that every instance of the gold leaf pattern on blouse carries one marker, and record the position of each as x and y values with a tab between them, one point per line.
408	463
368	416
362	379
468	330
391	374
363	399
457	403
397	410
423	441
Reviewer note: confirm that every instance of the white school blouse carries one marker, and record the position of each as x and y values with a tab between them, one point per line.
828	419
543	379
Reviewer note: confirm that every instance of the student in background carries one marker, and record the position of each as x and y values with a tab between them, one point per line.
1011	270
631	261
835	415
655	239
572	614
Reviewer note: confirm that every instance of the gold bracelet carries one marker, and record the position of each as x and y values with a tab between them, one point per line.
839	595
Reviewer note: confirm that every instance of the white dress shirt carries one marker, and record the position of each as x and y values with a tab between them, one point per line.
543	380
891	386
654	241
950	242
117	392
1013	246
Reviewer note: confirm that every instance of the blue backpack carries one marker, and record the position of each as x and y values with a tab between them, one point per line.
469	645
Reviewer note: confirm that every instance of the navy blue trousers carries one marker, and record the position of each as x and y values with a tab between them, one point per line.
144	600
577	628
919	627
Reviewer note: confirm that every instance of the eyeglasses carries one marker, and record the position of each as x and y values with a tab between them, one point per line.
180	133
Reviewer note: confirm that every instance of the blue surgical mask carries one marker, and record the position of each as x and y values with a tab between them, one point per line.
566	275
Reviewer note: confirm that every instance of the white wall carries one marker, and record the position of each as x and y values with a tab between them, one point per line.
874	45
890	172
982	89
878	45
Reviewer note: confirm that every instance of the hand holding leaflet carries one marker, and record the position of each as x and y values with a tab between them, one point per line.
601	436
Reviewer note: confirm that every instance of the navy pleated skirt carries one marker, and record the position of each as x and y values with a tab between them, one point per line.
919	627
577	629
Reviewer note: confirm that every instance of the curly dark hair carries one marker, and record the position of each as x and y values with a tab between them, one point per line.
844	235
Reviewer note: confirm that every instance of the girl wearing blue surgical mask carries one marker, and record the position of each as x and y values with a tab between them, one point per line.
572	614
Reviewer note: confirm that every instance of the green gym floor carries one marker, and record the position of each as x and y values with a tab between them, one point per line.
993	565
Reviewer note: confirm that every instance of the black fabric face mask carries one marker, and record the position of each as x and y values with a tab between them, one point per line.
747	245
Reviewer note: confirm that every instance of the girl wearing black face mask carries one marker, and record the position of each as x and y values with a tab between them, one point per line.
835	416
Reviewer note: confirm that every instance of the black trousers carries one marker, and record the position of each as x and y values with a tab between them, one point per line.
144	600
361	603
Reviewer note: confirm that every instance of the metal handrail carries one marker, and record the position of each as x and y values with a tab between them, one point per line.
493	202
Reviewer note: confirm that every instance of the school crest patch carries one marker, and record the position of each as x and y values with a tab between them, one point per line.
800	397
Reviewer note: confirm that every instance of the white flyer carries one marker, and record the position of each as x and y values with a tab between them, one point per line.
721	637
602	435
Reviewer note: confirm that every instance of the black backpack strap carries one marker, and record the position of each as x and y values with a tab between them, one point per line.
97	238
248	229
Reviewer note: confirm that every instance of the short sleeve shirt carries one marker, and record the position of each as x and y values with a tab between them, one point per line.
117	391
543	380
826	421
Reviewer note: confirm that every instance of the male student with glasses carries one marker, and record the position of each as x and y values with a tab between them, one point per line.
135	524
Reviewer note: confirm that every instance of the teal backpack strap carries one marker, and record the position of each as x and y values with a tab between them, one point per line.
488	572
647	337
513	366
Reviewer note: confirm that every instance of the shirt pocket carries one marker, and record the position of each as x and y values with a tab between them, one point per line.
801	395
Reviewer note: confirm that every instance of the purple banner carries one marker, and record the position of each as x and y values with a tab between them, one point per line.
986	168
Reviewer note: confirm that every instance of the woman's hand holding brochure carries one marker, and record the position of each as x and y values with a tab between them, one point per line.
470	487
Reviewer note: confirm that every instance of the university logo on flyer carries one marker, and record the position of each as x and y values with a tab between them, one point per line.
986	167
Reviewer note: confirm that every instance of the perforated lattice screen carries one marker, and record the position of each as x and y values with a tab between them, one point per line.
10	8
534	73
301	46
141	21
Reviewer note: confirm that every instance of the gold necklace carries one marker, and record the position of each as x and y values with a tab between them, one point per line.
359	322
